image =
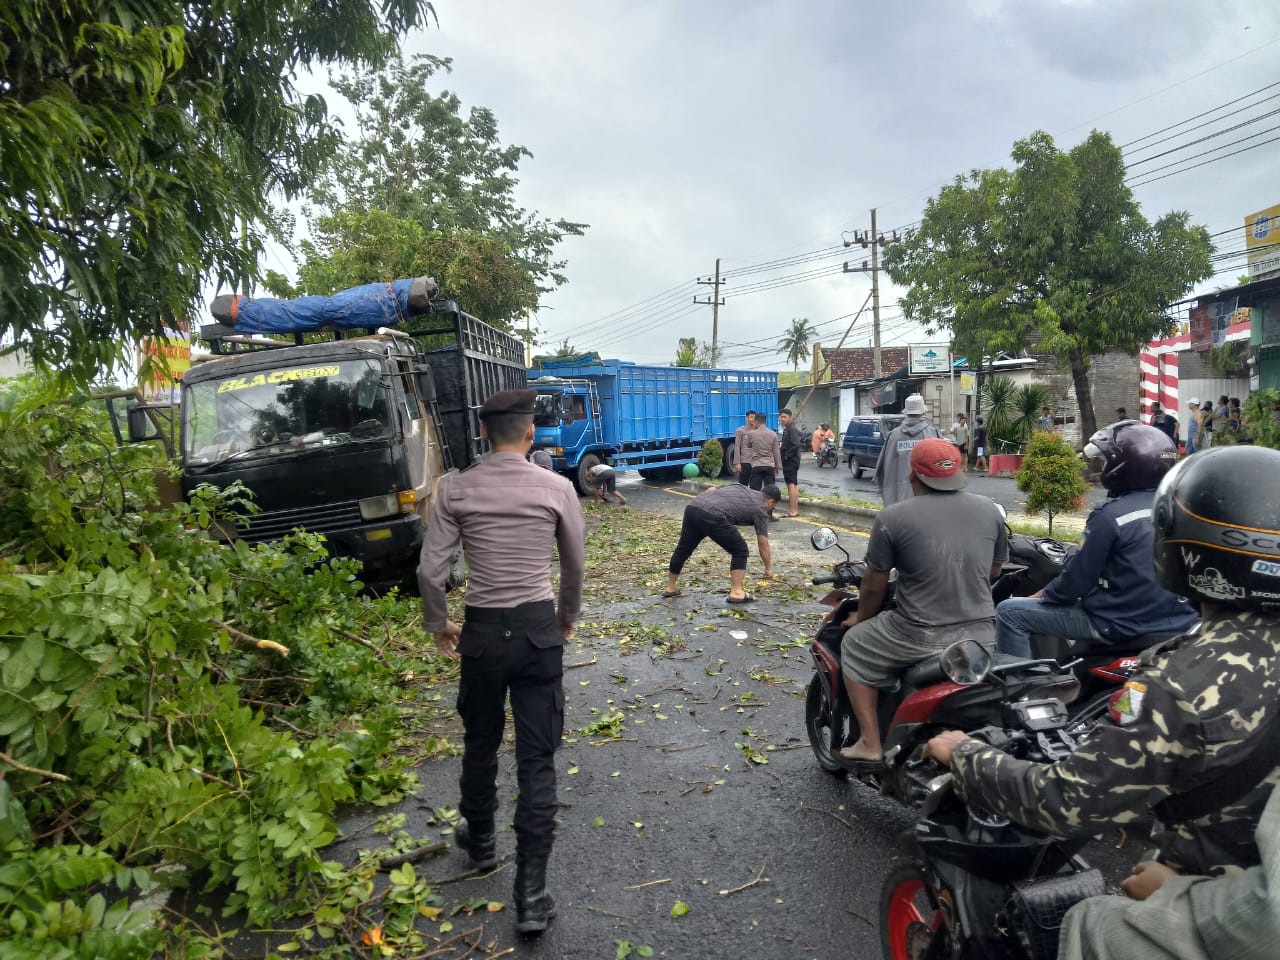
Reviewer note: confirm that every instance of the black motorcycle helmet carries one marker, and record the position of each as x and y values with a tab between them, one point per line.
1215	516
1135	456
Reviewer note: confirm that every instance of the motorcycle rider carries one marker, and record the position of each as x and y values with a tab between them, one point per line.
1198	725
1108	590
947	546
821	436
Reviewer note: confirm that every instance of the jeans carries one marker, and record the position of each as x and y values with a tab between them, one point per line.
1019	617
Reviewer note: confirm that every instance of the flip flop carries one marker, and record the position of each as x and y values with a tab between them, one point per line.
745	599
793	515
668	594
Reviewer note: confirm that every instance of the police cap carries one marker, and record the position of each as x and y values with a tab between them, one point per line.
508	402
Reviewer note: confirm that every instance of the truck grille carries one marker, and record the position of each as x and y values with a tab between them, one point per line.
326	518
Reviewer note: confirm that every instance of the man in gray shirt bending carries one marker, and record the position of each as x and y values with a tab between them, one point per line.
717	513
947	546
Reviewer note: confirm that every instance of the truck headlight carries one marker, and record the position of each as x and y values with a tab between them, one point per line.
374	508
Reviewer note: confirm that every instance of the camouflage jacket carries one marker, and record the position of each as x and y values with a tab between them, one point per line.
1188	713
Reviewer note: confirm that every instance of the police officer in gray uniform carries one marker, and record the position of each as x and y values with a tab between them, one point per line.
506	512
1195	735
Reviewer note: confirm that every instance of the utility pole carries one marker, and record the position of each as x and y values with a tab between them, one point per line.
875	240
716	302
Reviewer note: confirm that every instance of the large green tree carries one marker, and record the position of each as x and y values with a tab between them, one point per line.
354	247
417	159
1056	247
141	143
795	343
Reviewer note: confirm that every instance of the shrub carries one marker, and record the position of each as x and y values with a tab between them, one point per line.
1258	421
710	458
1052	476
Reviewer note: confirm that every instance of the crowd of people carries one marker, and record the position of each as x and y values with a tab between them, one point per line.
1176	542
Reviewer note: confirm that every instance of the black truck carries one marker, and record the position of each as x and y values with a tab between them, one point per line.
344	433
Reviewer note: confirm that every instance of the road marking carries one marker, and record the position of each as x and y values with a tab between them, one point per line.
812	523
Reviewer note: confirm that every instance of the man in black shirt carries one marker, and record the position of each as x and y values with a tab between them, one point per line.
792	442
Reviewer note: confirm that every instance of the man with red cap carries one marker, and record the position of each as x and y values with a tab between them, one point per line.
947	546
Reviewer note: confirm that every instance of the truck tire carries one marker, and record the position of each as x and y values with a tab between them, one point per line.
582	479
855	468
726	467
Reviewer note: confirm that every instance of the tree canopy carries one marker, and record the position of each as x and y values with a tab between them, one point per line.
423	187
141	142
1056	248
690	353
795	343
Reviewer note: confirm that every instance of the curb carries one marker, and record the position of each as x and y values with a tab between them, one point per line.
861	518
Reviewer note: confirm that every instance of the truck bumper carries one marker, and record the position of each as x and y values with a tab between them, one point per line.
388	548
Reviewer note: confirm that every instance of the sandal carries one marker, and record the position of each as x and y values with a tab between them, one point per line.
668	594
747	598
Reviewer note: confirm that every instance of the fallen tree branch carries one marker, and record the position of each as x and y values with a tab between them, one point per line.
244	638
833	816
360	640
417	853
606	913
47	774
651	883
760	878
585	663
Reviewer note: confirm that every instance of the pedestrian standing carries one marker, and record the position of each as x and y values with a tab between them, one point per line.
766	455
1122	413
1193	425
1165	422
960	437
717	513
742	449
980	447
790	446
893	469
506	513
1045	421
1208	425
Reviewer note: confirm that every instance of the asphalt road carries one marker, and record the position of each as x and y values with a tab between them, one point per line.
840	482
774	859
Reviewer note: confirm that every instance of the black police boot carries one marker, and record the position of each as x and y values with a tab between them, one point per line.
482	848
534	906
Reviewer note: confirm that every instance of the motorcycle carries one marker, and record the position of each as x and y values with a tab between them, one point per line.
1102	669
827	454
982	886
961	689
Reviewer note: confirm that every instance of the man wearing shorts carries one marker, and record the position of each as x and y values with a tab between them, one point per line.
790	445
604	483
980	462
947	546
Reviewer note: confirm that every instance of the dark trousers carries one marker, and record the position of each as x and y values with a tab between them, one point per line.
744	474
760	476
697	526
520	650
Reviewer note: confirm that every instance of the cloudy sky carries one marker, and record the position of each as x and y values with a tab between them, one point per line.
757	131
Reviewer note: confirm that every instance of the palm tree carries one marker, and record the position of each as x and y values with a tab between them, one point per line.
795	344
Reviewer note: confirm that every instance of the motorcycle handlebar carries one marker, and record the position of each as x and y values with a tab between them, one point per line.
824	578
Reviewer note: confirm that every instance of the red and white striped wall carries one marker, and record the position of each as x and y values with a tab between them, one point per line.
1158	367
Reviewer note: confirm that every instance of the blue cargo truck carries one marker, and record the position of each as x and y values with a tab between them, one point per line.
651	419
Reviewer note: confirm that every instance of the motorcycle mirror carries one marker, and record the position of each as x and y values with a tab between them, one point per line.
824	538
965	662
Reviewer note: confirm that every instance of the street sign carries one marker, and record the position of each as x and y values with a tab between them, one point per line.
930	358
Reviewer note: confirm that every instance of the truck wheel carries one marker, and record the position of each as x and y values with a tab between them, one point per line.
855	468
583	477
726	467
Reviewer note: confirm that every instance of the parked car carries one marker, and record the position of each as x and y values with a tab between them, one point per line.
864	438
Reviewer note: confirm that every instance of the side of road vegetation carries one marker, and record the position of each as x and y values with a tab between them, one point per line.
167	702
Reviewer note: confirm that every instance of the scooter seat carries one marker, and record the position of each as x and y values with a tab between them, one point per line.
1123	646
924	674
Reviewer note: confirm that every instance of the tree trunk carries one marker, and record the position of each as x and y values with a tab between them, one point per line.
1084	393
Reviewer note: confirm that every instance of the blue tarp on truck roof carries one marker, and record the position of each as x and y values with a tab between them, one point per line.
368	306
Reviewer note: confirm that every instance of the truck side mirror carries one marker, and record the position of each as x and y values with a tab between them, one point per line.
426	384
140	426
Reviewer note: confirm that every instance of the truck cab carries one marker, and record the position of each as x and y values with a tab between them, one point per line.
334	438
566	422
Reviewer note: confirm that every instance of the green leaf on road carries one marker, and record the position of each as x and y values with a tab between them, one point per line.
680	909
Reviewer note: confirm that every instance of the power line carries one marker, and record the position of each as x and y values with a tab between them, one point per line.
1172	126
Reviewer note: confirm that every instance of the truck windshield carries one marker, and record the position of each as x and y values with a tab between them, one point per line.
277	409
546	409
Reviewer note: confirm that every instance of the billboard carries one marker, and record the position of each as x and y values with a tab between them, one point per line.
930	358
162	361
1262	242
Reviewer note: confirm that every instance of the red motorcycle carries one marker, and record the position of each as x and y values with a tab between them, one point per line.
963	688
